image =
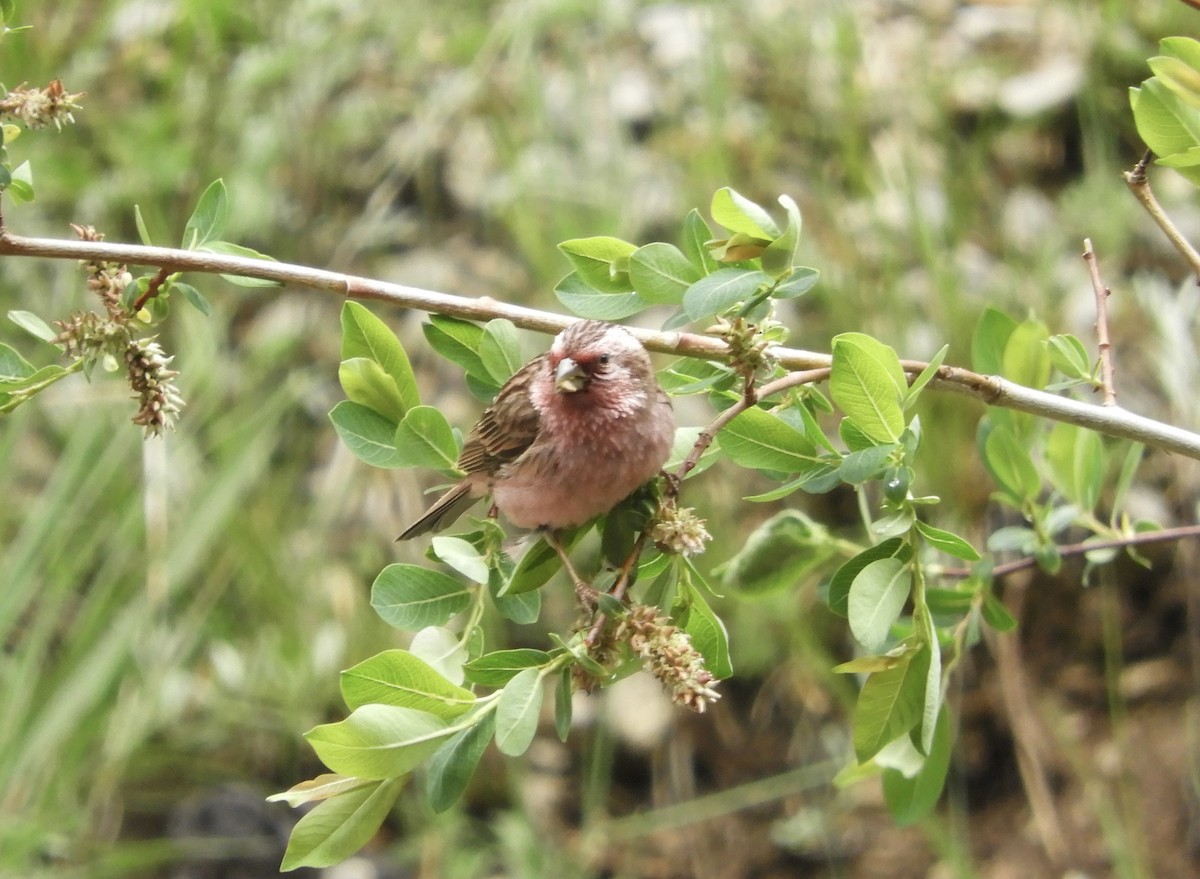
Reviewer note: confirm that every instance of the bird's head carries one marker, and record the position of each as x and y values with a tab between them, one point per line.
601	360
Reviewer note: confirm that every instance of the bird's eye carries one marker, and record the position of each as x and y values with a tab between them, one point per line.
603	359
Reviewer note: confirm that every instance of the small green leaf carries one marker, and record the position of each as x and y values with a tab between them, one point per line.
738	214
660	273
864	464
462	556
563	705
378	741
364	381
20	183
780	553
451	768
194	297
517	712
707	634
500	350
890	704
1076	460
723	289
867	383
13	367
410	597
843	578
948	542
911	799
366	433
539	563
1011	465
800	281
497	668
457	341
602	262
780	255
324	786
338	827
926	376
1069	357
207	222
877	596
34	325
365	335
991	337
425	439
696	234
996	615
140	223
1026	360
442	650
397	677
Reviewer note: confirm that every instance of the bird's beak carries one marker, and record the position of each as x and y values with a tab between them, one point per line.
569	377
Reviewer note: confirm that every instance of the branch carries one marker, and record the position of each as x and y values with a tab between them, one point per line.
993	390
1139	185
1102	293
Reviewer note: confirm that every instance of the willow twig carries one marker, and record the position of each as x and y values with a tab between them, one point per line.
1102	293
993	390
1139	185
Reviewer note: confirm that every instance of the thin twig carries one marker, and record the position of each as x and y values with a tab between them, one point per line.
152	290
993	390
1139	185
1102	293
1142	538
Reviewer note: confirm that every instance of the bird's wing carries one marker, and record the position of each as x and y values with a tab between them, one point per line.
507	427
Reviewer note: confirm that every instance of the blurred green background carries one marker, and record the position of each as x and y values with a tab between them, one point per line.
173	614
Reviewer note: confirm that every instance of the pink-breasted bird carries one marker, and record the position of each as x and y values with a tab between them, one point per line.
569	436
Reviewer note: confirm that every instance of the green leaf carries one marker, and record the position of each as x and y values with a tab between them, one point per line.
378	741
877	596
911	799
140	223
442	650
575	295
926	376
738	214
948	542
194	297
602	262
539	563
410	597
13	367
340	826
996	615
462	556
867	383
20	183
500	350
366	433
800	281
34	325
364	381
397	677
780	255
365	335
228	248
991	336
696	234
723	289
456	340
660	273
843	578
780	553
1011	465
761	440
1076	460
451	768
707	634
207	222
517	712
324	786
864	464
497	668
1069	357
1026	360
425	439
890	704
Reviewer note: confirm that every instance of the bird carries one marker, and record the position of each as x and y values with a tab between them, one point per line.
569	436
